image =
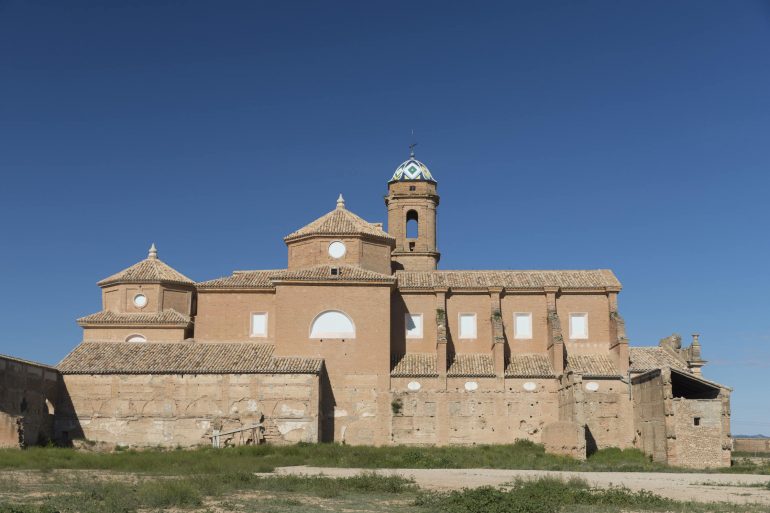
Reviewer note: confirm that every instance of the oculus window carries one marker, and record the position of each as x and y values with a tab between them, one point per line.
337	249
578	325
468	325
522	325
259	324
136	338
140	300
413	325
332	324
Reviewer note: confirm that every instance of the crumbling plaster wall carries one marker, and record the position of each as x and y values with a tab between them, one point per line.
180	410
701	445
28	396
648	394
496	411
602	406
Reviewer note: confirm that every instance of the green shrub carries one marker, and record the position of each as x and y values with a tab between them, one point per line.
545	495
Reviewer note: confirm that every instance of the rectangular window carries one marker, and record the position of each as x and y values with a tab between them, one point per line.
522	325
468	325
578	325
259	324
413	325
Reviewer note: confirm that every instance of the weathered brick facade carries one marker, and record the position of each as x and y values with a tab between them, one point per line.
361	340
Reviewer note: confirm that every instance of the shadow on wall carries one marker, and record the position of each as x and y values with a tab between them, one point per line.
326	407
66	427
591	446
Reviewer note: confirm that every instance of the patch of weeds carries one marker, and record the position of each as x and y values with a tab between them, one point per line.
545	495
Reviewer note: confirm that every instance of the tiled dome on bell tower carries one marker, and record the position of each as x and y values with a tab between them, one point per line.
412	201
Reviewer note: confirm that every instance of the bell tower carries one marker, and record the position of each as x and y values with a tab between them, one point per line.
412	201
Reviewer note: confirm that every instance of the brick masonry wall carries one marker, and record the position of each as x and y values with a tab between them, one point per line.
180	410
751	444
497	412
28	397
650	416
698	446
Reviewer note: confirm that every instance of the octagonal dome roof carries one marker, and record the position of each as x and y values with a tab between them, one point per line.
412	170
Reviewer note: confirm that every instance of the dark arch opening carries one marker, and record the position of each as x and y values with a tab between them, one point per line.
412	230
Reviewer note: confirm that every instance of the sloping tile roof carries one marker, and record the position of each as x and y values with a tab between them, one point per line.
529	366
267	279
644	359
241	280
168	317
324	272
599	278
339	221
149	270
414	365
182	358
27	362
471	365
592	365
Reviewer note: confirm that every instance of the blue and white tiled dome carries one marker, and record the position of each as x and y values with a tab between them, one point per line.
412	169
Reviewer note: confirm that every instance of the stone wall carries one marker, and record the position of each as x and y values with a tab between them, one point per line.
496	411
28	397
650	416
602	406
677	426
698	429
751	444
180	410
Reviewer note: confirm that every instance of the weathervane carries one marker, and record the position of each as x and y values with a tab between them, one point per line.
411	146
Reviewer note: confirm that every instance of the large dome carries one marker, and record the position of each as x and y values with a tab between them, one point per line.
412	169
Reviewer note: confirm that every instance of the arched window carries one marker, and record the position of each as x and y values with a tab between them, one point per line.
412	230
136	338
332	324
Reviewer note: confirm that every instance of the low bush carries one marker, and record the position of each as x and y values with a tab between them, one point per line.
545	495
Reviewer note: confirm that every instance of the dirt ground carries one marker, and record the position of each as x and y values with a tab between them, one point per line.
732	488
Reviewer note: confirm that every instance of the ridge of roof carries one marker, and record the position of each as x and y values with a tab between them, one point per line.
592	366
265	279
168	317
324	272
149	270
183	358
259	279
339	221
647	358
513	279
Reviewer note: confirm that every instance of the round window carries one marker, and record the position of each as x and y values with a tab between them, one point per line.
337	249
530	386
140	300
470	386
414	386
592	386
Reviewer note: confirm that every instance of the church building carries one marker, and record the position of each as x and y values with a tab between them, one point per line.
363	339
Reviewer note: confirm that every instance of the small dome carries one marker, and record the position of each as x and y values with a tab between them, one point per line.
412	169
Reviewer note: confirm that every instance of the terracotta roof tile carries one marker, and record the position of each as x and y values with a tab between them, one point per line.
509	279
339	221
241	280
182	358
471	365
644	359
529	366
149	270
267	279
168	317
592	365
324	272
414	365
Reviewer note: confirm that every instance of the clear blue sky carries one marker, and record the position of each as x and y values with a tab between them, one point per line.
628	135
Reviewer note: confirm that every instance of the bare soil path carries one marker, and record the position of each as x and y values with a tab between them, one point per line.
732	488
